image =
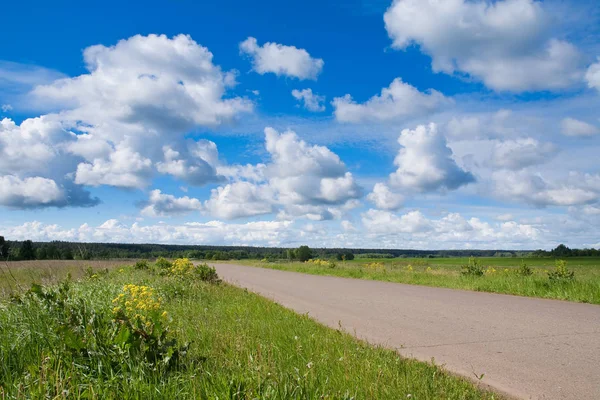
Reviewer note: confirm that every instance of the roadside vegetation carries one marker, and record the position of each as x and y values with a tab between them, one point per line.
169	330
575	279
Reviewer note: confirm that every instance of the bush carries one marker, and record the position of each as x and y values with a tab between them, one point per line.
163	263
207	273
524	270
473	268
561	273
141	264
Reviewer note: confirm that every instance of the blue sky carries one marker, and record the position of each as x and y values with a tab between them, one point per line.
406	124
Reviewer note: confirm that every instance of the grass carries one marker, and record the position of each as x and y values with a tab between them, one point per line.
231	344
500	275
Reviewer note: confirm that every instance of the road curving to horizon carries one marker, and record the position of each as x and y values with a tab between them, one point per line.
524	347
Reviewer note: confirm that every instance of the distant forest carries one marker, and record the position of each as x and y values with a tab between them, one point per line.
57	250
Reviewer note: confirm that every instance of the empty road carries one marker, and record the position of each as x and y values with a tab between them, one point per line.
527	348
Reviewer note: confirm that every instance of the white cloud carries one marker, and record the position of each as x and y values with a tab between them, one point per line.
592	76
577	128
124	168
399	100
240	199
521	153
312	101
198	165
6	108
385	222
425	162
143	94
259	233
281	60
506	44
534	189
30	192
301	180
384	198
388	228
161	204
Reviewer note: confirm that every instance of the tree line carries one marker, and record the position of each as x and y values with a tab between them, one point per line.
60	250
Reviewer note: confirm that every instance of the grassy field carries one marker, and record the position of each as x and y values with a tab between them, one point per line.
126	333
499	275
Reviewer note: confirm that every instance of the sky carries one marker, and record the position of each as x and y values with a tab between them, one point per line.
423	124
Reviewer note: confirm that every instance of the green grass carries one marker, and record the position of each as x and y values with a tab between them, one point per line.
242	346
446	272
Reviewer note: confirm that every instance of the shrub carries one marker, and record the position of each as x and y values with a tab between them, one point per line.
473	268
181	267
561	273
524	269
206	273
163	263
141	264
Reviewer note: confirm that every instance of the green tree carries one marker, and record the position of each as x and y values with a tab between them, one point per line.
26	252
303	253
4	248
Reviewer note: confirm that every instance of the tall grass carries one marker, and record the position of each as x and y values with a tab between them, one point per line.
237	346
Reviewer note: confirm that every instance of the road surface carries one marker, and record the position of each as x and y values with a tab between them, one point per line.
526	347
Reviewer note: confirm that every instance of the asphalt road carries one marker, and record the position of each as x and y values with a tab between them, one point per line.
527	348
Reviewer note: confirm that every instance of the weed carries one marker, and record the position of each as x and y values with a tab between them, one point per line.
524	269
141	264
561	273
473	268
163	264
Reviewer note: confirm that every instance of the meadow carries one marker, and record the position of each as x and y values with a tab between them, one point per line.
493	274
165	331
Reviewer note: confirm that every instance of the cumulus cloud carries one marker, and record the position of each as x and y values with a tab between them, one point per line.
312	101
397	101
576	128
300	180
259	233
197	167
506	44
29	192
162	204
451	229
124	168
136	103
281	60
383	198
425	162
592	75
534	189
521	153
240	199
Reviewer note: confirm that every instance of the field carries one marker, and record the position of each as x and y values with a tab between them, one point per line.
498	275
165	333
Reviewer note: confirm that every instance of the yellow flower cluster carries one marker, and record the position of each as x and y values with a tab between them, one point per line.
181	266
375	265
320	263
138	302
409	268
490	271
428	269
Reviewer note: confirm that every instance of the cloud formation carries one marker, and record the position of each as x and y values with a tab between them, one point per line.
397	101
281	60
506	44
425	162
311	101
